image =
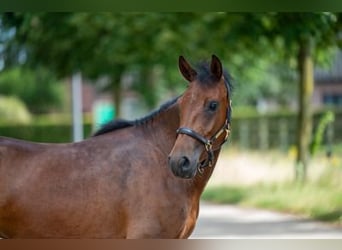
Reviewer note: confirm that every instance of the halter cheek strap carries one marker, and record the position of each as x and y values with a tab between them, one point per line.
197	136
208	143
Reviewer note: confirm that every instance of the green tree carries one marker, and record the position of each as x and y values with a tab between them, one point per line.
97	44
302	36
106	44
39	89
13	111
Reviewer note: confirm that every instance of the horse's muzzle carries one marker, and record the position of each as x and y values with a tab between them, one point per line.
182	167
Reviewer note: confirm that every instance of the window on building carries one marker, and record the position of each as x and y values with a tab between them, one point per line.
332	99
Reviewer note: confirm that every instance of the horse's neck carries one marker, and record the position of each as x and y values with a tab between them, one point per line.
162	128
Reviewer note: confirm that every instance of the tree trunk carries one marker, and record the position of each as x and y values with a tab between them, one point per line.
116	89
147	87
117	97
304	130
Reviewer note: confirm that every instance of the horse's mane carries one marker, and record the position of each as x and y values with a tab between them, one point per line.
120	123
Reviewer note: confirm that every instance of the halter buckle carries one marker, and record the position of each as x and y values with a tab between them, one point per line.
208	145
227	130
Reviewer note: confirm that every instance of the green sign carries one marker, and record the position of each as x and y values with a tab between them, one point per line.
104	112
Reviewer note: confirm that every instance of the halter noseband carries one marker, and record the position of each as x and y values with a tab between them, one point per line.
208	143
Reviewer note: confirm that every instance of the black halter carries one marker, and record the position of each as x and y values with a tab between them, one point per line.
208	143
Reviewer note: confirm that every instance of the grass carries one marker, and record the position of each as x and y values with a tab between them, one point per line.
320	199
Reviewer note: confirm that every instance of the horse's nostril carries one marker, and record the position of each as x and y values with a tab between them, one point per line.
184	162
181	167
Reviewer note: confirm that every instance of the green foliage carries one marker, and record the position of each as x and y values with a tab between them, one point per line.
13	111
225	194
326	119
56	133
53	127
38	89
288	30
259	49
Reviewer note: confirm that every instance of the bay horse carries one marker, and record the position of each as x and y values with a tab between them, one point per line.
131	179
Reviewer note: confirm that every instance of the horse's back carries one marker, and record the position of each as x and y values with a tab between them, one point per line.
19	158
7	143
12	153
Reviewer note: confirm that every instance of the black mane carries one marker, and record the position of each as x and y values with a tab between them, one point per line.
120	123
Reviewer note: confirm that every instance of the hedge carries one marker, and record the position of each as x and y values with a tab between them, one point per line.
59	133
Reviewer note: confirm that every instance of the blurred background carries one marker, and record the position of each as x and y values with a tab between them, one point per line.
62	75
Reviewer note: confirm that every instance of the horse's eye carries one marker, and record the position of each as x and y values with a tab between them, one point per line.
213	106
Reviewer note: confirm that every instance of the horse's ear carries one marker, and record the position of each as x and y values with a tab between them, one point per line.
187	71
216	67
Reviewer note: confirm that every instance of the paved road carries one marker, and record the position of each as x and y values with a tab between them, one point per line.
225	221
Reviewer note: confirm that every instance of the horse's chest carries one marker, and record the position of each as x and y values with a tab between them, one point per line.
182	220
177	221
